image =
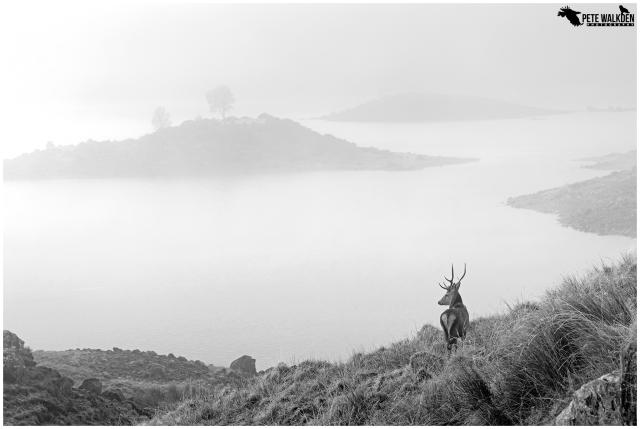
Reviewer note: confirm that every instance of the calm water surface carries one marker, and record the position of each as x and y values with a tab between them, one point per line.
287	267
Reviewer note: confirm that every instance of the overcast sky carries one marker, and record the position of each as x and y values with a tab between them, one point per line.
105	59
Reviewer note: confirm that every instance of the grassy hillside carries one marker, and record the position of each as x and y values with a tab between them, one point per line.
604	205
210	147
516	368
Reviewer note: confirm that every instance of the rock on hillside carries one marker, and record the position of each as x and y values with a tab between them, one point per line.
629	384
245	365
608	400
595	403
208	147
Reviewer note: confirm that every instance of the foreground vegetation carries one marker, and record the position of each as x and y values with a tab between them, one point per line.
520	367
517	368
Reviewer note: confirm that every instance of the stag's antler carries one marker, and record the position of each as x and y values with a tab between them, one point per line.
463	274
445	277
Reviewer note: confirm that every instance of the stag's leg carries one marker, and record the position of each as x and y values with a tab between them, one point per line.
443	323
461	335
453	343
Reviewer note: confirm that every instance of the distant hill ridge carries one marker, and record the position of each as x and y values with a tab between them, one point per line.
431	107
210	147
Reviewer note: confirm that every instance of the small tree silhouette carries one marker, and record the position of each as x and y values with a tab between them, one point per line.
220	100
160	119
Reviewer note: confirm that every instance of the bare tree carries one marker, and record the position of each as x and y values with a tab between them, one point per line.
160	118
220	100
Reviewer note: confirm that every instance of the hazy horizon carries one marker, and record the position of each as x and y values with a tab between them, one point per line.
97	71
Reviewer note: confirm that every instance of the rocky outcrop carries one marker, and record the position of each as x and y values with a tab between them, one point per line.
245	365
16	358
595	403
609	400
37	395
114	394
629	385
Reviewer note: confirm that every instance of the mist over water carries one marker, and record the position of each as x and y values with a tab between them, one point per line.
286	267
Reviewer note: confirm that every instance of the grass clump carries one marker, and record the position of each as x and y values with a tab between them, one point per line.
519	368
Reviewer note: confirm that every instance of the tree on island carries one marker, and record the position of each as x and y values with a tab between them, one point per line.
220	100
160	119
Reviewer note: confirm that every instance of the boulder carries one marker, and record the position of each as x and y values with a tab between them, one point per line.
65	386
244	364
595	403
92	385
155	370
629	385
114	394
11	340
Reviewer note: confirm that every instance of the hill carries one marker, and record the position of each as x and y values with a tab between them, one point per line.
520	368
210	147
433	108
603	205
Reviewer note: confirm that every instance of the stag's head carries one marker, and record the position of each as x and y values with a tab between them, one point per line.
452	288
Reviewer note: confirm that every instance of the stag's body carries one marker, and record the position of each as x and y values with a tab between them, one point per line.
455	319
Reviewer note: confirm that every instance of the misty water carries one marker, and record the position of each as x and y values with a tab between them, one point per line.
291	266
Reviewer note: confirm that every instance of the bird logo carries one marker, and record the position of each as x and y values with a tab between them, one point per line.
623	9
571	15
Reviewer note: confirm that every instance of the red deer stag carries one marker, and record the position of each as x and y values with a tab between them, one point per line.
455	319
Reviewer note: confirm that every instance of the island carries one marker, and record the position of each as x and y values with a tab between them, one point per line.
612	161
205	147
602	205
430	107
